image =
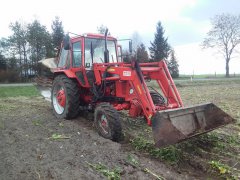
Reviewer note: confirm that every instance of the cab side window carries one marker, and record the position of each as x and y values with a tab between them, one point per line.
63	58
77	54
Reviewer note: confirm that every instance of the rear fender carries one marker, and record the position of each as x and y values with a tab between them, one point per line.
68	73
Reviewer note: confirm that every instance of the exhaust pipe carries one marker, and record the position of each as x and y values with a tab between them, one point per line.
176	125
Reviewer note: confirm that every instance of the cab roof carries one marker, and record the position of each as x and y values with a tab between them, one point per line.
92	35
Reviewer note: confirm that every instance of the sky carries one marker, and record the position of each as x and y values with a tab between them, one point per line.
186	23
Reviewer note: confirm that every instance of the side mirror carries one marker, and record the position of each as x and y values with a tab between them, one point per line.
66	42
130	46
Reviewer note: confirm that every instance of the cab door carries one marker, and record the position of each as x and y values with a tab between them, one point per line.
77	60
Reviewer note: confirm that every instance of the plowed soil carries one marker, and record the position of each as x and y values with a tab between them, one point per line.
36	145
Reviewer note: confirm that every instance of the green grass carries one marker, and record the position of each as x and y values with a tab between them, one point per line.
170	154
6	107
27	91
180	153
131	160
223	170
199	76
225	82
111	174
196	82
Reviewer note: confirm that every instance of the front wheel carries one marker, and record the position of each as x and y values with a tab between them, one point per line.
157	98
65	97
107	122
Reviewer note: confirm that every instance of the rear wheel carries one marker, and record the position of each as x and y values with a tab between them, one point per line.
107	122
65	97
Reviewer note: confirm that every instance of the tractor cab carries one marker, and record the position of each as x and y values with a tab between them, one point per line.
78	54
83	51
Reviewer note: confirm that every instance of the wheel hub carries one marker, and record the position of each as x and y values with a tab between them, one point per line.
61	98
104	123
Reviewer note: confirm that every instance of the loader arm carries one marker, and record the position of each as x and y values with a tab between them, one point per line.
158	71
130	74
135	74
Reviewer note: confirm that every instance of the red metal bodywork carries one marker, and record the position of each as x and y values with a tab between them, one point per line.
127	79
127	83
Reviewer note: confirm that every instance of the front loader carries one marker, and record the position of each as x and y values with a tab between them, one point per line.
89	74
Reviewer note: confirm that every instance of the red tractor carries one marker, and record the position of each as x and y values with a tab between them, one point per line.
89	74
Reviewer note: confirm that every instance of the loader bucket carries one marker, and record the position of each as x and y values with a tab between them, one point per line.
173	126
44	77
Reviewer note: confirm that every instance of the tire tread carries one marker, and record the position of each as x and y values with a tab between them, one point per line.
113	120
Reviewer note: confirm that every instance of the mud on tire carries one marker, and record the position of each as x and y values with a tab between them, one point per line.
107	122
72	97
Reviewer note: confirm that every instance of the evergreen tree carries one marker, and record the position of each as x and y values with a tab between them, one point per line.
5	47
173	65
8	55
159	47
126	56
57	32
39	40
3	65
9	64
142	54
49	46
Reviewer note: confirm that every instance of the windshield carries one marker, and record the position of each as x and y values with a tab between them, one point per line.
98	47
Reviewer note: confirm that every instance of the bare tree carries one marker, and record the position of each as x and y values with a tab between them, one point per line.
224	35
19	43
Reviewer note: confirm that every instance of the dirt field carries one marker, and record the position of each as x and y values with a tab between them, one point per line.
36	145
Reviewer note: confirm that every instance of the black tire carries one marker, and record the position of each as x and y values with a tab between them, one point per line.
72	97
112	129
157	98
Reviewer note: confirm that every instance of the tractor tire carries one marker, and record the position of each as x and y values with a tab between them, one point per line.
107	122
65	97
157	98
